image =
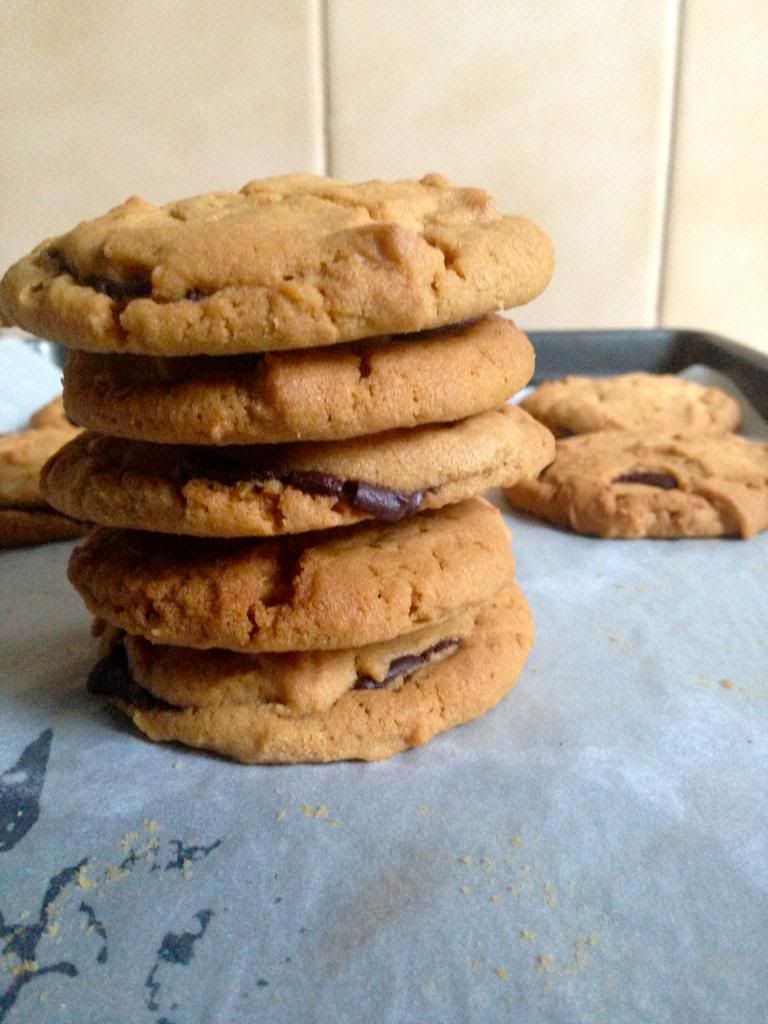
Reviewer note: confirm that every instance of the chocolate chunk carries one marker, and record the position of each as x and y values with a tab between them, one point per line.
408	664
112	677
381	502
662	480
194	295
120	290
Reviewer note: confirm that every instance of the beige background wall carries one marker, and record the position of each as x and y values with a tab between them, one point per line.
636	131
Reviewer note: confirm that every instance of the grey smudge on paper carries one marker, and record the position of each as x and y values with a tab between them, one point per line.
94	925
174	949
21	941
20	789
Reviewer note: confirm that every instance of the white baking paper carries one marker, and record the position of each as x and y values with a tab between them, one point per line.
593	851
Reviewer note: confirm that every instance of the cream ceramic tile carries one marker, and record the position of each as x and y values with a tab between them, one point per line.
717	265
561	108
102	99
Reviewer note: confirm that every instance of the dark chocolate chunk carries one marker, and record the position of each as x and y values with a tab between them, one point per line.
120	290
381	502
112	677
662	480
408	664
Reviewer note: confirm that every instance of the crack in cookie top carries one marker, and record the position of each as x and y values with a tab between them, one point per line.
289	262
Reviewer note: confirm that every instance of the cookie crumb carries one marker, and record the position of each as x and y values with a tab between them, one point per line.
466	859
527	936
53	929
466	889
151	826
502	973
550	895
544	963
25	967
280	815
727	684
83	881
114	873
486	864
516	840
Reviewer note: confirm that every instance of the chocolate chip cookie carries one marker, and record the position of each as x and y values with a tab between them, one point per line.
321	394
291	262
365	703
632	401
621	484
267	490
343	588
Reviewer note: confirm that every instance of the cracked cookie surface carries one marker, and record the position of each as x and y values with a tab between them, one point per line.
291	262
622	484
249	709
269	490
350	587
321	394
632	401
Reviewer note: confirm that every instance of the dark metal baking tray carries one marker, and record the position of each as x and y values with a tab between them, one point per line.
656	350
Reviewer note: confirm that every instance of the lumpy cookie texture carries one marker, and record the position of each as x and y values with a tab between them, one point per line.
632	401
313	395
280	489
291	262
353	586
257	726
622	484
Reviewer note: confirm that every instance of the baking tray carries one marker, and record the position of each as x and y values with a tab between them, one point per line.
593	851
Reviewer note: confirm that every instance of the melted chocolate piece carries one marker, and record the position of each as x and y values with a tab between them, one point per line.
122	291
408	664
112	677
380	502
661	480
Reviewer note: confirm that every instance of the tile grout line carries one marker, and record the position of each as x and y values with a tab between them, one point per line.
325	73
670	144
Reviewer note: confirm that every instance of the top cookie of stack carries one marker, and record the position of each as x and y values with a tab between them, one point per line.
289	262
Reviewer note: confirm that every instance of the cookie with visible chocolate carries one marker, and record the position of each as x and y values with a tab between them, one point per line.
288	262
347	587
632	401
25	517
631	485
365	704
268	490
322	394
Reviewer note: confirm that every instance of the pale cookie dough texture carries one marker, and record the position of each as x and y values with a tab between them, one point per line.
632	401
320	394
275	725
52	415
288	262
270	490
345	588
620	484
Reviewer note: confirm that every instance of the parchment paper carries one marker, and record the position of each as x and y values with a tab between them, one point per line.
594	850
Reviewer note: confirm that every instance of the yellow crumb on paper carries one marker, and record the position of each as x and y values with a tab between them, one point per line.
25	967
544	963
516	840
83	881
550	894
502	973
280	815
466	859
528	936
727	684
477	966
53	929
466	889
495	898
152	826
486	864
129	840
114	873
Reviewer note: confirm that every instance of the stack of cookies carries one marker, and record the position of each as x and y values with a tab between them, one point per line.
293	396
646	455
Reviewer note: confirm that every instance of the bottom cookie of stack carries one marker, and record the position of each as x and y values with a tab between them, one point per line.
364	703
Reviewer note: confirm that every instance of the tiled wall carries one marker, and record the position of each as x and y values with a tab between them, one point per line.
636	131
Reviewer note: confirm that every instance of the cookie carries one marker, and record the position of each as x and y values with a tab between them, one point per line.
22	456
289	262
632	401
349	587
25	517
24	525
268	490
620	484
323	706
320	394
51	415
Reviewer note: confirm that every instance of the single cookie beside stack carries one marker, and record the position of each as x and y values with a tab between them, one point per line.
293	395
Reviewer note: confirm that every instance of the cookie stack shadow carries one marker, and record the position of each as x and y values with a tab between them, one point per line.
293	396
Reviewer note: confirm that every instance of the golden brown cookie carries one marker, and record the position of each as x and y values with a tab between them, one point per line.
620	484
291	262
313	395
52	415
268	490
25	517
323	706
632	401
349	587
